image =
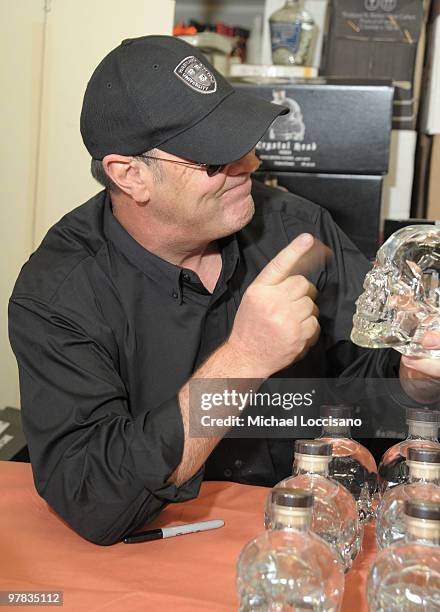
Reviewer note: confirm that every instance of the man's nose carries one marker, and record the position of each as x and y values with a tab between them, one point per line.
245	165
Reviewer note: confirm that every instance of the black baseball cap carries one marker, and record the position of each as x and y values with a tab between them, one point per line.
159	91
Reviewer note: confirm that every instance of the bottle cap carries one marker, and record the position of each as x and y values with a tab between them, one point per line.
425	455
337	411
292	498
422	415
313	447
423	509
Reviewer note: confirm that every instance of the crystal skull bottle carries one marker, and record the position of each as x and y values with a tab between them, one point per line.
422	432
289	567
351	464
406	576
335	515
401	298
291	32
423	483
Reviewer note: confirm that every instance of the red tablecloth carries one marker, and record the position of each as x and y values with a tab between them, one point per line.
38	552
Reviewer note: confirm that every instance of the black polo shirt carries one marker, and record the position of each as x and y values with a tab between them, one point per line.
106	333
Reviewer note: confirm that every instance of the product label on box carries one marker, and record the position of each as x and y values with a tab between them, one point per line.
285	144
288	155
285	35
335	128
392	20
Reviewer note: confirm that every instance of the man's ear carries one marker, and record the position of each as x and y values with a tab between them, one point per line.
129	175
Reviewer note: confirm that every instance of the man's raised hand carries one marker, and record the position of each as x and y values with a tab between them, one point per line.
277	320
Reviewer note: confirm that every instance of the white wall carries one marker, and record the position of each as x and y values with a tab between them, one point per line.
78	36
397	185
48	51
21	46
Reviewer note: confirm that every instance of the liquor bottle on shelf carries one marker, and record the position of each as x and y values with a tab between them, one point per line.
422	432
423	483
292	32
406	575
352	464
289	567
335	515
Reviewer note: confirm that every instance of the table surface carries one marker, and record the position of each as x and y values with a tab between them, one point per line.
39	552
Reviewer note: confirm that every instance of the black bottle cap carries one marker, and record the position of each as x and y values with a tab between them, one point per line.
427	455
423	509
337	411
313	447
422	415
292	498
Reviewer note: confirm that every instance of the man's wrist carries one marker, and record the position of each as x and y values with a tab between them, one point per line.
242	364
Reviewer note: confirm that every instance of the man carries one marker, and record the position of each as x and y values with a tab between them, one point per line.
176	271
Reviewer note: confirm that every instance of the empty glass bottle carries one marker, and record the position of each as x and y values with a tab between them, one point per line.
352	464
292	31
422	431
335	516
289	567
423	483
405	577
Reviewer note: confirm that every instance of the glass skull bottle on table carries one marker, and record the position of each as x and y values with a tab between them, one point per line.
405	576
423	426
335	515
289	567
351	464
423	483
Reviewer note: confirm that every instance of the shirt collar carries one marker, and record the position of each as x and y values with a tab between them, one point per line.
230	255
162	272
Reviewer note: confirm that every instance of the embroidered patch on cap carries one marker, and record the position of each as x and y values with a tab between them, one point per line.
194	74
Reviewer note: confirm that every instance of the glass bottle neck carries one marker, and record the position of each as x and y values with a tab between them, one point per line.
284	518
423	472
412	539
311	464
422	531
422	431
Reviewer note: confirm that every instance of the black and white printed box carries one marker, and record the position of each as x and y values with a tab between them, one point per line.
334	126
348	198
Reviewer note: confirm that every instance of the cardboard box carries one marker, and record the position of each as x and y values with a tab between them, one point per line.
374	38
405	106
347	198
334	126
380	38
397	187
433	211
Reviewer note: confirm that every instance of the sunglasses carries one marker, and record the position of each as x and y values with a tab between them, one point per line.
211	169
